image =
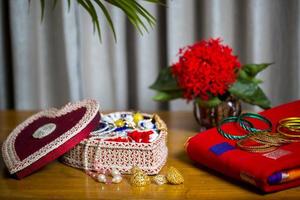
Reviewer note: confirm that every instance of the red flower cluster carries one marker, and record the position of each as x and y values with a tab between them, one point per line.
136	136
140	136
206	69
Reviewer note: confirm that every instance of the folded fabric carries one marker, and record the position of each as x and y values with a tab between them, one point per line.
284	176
267	171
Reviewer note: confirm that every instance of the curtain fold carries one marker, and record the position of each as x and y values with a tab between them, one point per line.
61	59
3	70
39	58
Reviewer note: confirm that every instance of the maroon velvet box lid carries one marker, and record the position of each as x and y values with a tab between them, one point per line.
47	135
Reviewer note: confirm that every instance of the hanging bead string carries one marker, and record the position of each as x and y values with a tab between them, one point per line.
85	156
101	176
96	154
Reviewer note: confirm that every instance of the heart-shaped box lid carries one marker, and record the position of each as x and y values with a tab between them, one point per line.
47	135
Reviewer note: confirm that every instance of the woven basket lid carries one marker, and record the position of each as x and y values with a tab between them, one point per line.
47	135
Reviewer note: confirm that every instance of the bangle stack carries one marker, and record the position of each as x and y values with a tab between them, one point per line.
289	127
241	122
245	124
259	140
233	119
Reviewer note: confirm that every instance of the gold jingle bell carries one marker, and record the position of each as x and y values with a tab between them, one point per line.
159	179
135	170
174	176
139	179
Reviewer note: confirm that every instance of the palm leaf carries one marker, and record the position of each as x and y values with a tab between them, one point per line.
151	20
108	18
54	4
95	17
69	5
134	11
88	6
130	13
29	2
42	9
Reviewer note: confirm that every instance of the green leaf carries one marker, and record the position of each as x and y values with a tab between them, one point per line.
135	13
165	81
131	15
89	7
29	3
108	18
151	20
69	5
253	69
54	4
250	93
42	9
214	101
131	7
167	96
153	1
243	76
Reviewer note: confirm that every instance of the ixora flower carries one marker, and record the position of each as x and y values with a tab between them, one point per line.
205	69
208	72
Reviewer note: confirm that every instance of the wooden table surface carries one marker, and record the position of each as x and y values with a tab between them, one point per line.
58	181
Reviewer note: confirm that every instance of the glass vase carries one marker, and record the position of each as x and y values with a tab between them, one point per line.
208	117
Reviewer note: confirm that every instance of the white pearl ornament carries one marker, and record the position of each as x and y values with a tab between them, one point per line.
116	179
115	172
101	178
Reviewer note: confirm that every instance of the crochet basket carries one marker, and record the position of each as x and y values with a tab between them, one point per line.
98	155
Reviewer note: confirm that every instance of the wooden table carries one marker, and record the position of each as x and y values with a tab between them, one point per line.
58	181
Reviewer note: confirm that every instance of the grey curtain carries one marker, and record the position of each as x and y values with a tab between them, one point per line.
60	60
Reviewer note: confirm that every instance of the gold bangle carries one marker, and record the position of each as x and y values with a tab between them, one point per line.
268	139
295	119
256	149
286	139
290	123
262	150
287	134
291	126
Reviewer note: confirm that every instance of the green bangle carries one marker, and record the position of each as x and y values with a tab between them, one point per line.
230	136
241	122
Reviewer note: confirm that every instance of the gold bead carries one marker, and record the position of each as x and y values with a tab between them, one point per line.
160	179
137	117
119	123
139	179
174	176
